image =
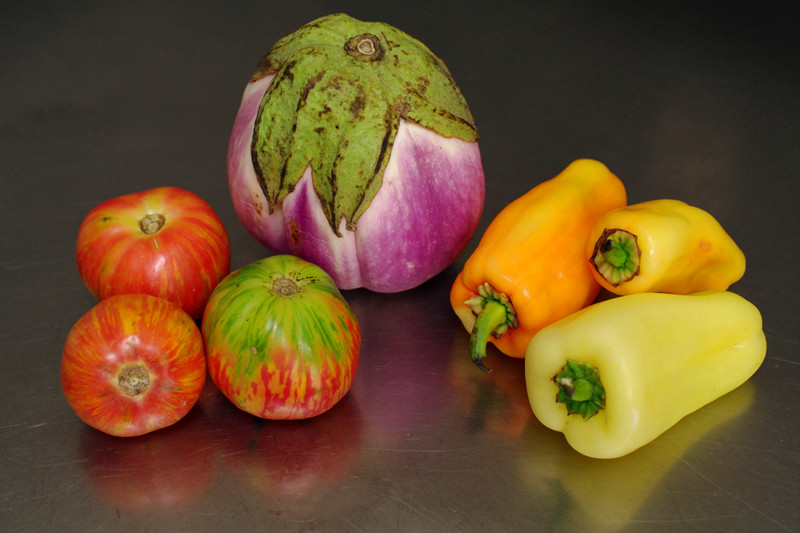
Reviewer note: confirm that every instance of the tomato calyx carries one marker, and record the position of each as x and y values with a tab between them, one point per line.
134	380
151	223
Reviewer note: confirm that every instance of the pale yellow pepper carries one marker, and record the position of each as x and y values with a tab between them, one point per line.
617	374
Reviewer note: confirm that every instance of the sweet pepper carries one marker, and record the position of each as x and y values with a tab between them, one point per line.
617	374
529	269
663	246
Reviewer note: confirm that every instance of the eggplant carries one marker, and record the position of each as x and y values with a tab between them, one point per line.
353	148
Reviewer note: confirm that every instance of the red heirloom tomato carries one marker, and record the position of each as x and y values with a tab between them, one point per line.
166	242
133	364
281	341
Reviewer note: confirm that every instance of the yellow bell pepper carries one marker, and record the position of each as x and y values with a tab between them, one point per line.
529	269
663	246
617	374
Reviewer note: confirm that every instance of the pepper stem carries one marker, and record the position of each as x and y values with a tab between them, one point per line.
580	389
494	315
616	256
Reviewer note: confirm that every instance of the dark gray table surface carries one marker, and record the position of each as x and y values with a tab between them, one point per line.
101	99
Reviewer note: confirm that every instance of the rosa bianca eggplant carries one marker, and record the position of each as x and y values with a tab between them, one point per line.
354	149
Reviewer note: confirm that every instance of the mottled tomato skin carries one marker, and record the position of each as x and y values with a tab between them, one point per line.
182	261
276	355
141	337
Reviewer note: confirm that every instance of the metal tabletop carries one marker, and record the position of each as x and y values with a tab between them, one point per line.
102	99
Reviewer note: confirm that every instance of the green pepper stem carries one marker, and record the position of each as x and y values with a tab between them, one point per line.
493	315
616	256
580	389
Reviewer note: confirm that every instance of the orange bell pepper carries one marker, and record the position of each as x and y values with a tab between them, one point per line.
529	268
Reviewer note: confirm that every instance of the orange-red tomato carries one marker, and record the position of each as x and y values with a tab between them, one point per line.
167	242
133	364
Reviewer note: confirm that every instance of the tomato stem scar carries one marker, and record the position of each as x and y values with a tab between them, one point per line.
284	286
151	223
134	380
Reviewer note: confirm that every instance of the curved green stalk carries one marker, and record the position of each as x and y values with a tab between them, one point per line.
494	315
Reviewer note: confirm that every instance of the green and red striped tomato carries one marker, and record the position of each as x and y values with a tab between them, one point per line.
281	341
133	364
166	242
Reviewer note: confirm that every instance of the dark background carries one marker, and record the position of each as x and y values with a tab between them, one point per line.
698	104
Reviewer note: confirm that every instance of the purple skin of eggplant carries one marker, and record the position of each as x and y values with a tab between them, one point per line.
427	209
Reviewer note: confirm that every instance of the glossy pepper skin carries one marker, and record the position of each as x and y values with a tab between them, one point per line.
529	268
615	375
663	246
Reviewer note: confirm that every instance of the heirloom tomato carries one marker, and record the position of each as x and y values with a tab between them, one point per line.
134	363
166	242
281	341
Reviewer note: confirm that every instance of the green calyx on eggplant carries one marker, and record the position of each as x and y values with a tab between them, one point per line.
341	116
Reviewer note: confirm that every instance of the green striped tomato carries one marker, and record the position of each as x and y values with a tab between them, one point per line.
281	341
